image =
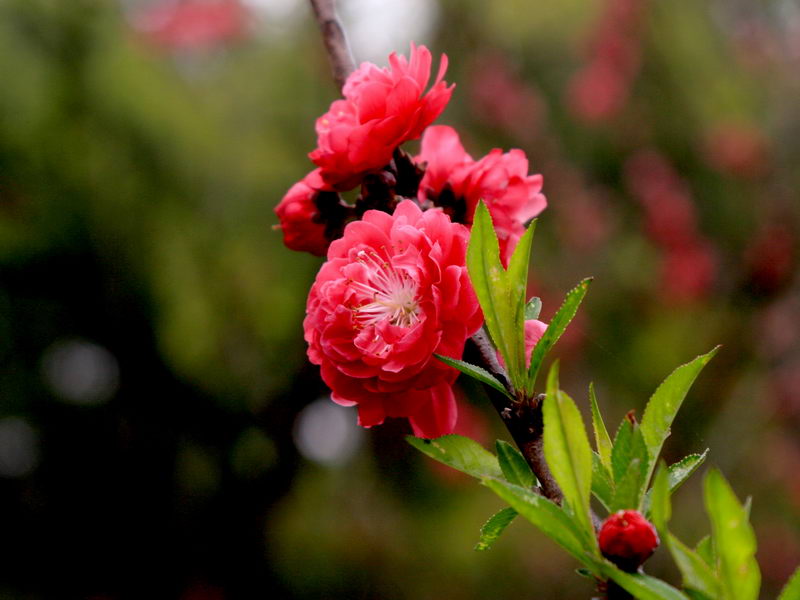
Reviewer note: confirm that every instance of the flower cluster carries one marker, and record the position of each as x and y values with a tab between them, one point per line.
394	290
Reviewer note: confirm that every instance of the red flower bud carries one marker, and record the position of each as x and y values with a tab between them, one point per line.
627	539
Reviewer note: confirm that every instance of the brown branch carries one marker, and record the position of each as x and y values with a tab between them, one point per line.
341	59
523	418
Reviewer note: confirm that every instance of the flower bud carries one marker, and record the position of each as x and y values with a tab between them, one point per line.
627	539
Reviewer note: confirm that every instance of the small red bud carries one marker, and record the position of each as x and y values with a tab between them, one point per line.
627	539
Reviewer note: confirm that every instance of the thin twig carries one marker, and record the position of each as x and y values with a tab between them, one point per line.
342	63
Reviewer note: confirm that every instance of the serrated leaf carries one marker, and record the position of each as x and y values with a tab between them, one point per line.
461	453
555	328
544	514
705	549
791	591
533	308
495	526
665	403
641	586
602	487
514	466
678	473
475	372
601	437
622	450
734	539
567	450
630	467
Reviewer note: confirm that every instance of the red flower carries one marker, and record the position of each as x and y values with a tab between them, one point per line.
302	228
456	182
394	291
382	108
627	539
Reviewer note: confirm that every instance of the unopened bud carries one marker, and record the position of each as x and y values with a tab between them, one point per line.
627	539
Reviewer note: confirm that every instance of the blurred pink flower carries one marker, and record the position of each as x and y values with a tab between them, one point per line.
737	149
382	108
687	273
456	182
394	291
192	24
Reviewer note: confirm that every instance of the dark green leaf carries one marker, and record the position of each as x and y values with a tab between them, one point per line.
475	372
601	437
540	511
665	403
567	450
602	487
791	590
533	308
514	466
496	525
554	330
734	539
461	453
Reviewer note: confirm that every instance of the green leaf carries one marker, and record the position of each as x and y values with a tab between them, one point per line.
557	326
567	450
791	591
601	438
475	372
514	466
547	516
489	278
679	472
661	509
705	548
697	575
602	487
517	281
641	586
665	403
500	293
461	453
622	450
734	539
495	526
533	308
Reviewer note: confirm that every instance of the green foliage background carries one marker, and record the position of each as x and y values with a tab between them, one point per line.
136	195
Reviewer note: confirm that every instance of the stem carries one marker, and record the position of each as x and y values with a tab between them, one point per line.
341	59
523	419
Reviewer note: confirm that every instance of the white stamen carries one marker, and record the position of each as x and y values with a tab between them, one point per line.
393	294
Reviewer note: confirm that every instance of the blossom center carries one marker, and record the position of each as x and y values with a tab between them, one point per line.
393	294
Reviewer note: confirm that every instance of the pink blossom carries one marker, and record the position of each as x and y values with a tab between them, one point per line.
382	108
456	182
394	292
303	229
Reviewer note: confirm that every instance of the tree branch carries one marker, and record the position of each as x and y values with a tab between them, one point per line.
336	45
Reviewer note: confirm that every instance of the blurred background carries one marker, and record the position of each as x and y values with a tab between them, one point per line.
161	432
